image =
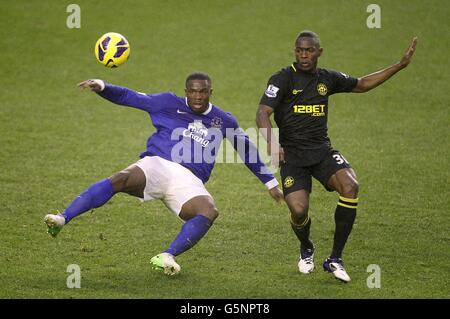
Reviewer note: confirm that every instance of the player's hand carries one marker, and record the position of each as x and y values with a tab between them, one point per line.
276	194
406	59
90	84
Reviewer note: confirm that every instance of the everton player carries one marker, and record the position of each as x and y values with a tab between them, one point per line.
298	97
178	161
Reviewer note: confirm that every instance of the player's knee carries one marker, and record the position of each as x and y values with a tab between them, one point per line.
120	180
299	211
211	213
350	189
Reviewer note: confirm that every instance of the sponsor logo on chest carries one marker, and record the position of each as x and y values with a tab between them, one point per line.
198	132
313	110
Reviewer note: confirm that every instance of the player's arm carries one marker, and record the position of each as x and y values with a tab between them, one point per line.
117	94
368	82
249	154
265	128
277	88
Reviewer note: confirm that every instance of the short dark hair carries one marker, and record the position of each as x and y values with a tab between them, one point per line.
309	34
198	76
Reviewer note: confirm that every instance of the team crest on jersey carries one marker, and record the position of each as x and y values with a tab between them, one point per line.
322	89
272	91
288	182
216	122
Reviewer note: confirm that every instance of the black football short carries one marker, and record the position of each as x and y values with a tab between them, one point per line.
295	177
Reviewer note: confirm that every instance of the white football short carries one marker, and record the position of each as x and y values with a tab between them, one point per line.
170	182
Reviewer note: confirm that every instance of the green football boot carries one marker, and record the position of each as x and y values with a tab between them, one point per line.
165	262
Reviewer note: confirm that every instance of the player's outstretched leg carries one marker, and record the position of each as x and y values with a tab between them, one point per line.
131	180
191	232
95	196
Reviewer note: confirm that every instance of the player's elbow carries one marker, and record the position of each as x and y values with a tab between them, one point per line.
261	117
362	86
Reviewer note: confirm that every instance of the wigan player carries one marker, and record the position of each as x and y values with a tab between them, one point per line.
178	161
298	97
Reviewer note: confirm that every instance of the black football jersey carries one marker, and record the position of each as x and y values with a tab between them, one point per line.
300	103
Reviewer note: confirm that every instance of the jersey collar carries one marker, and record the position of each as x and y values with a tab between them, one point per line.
206	111
293	67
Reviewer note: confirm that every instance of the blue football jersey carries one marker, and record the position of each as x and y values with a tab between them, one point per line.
188	138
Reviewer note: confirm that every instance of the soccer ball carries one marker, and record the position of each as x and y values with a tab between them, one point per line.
112	49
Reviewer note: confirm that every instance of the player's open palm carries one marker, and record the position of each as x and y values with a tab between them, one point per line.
409	53
90	84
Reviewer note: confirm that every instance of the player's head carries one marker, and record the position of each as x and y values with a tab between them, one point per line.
198	91
307	50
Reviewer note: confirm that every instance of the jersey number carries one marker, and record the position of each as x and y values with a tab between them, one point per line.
340	159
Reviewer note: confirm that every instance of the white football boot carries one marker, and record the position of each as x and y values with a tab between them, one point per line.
336	266
54	223
306	262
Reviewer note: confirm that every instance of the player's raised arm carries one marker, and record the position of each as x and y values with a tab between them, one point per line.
117	94
368	82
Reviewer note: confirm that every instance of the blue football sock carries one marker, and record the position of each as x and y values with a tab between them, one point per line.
95	196
191	232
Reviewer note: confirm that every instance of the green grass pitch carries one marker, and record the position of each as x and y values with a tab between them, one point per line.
56	140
